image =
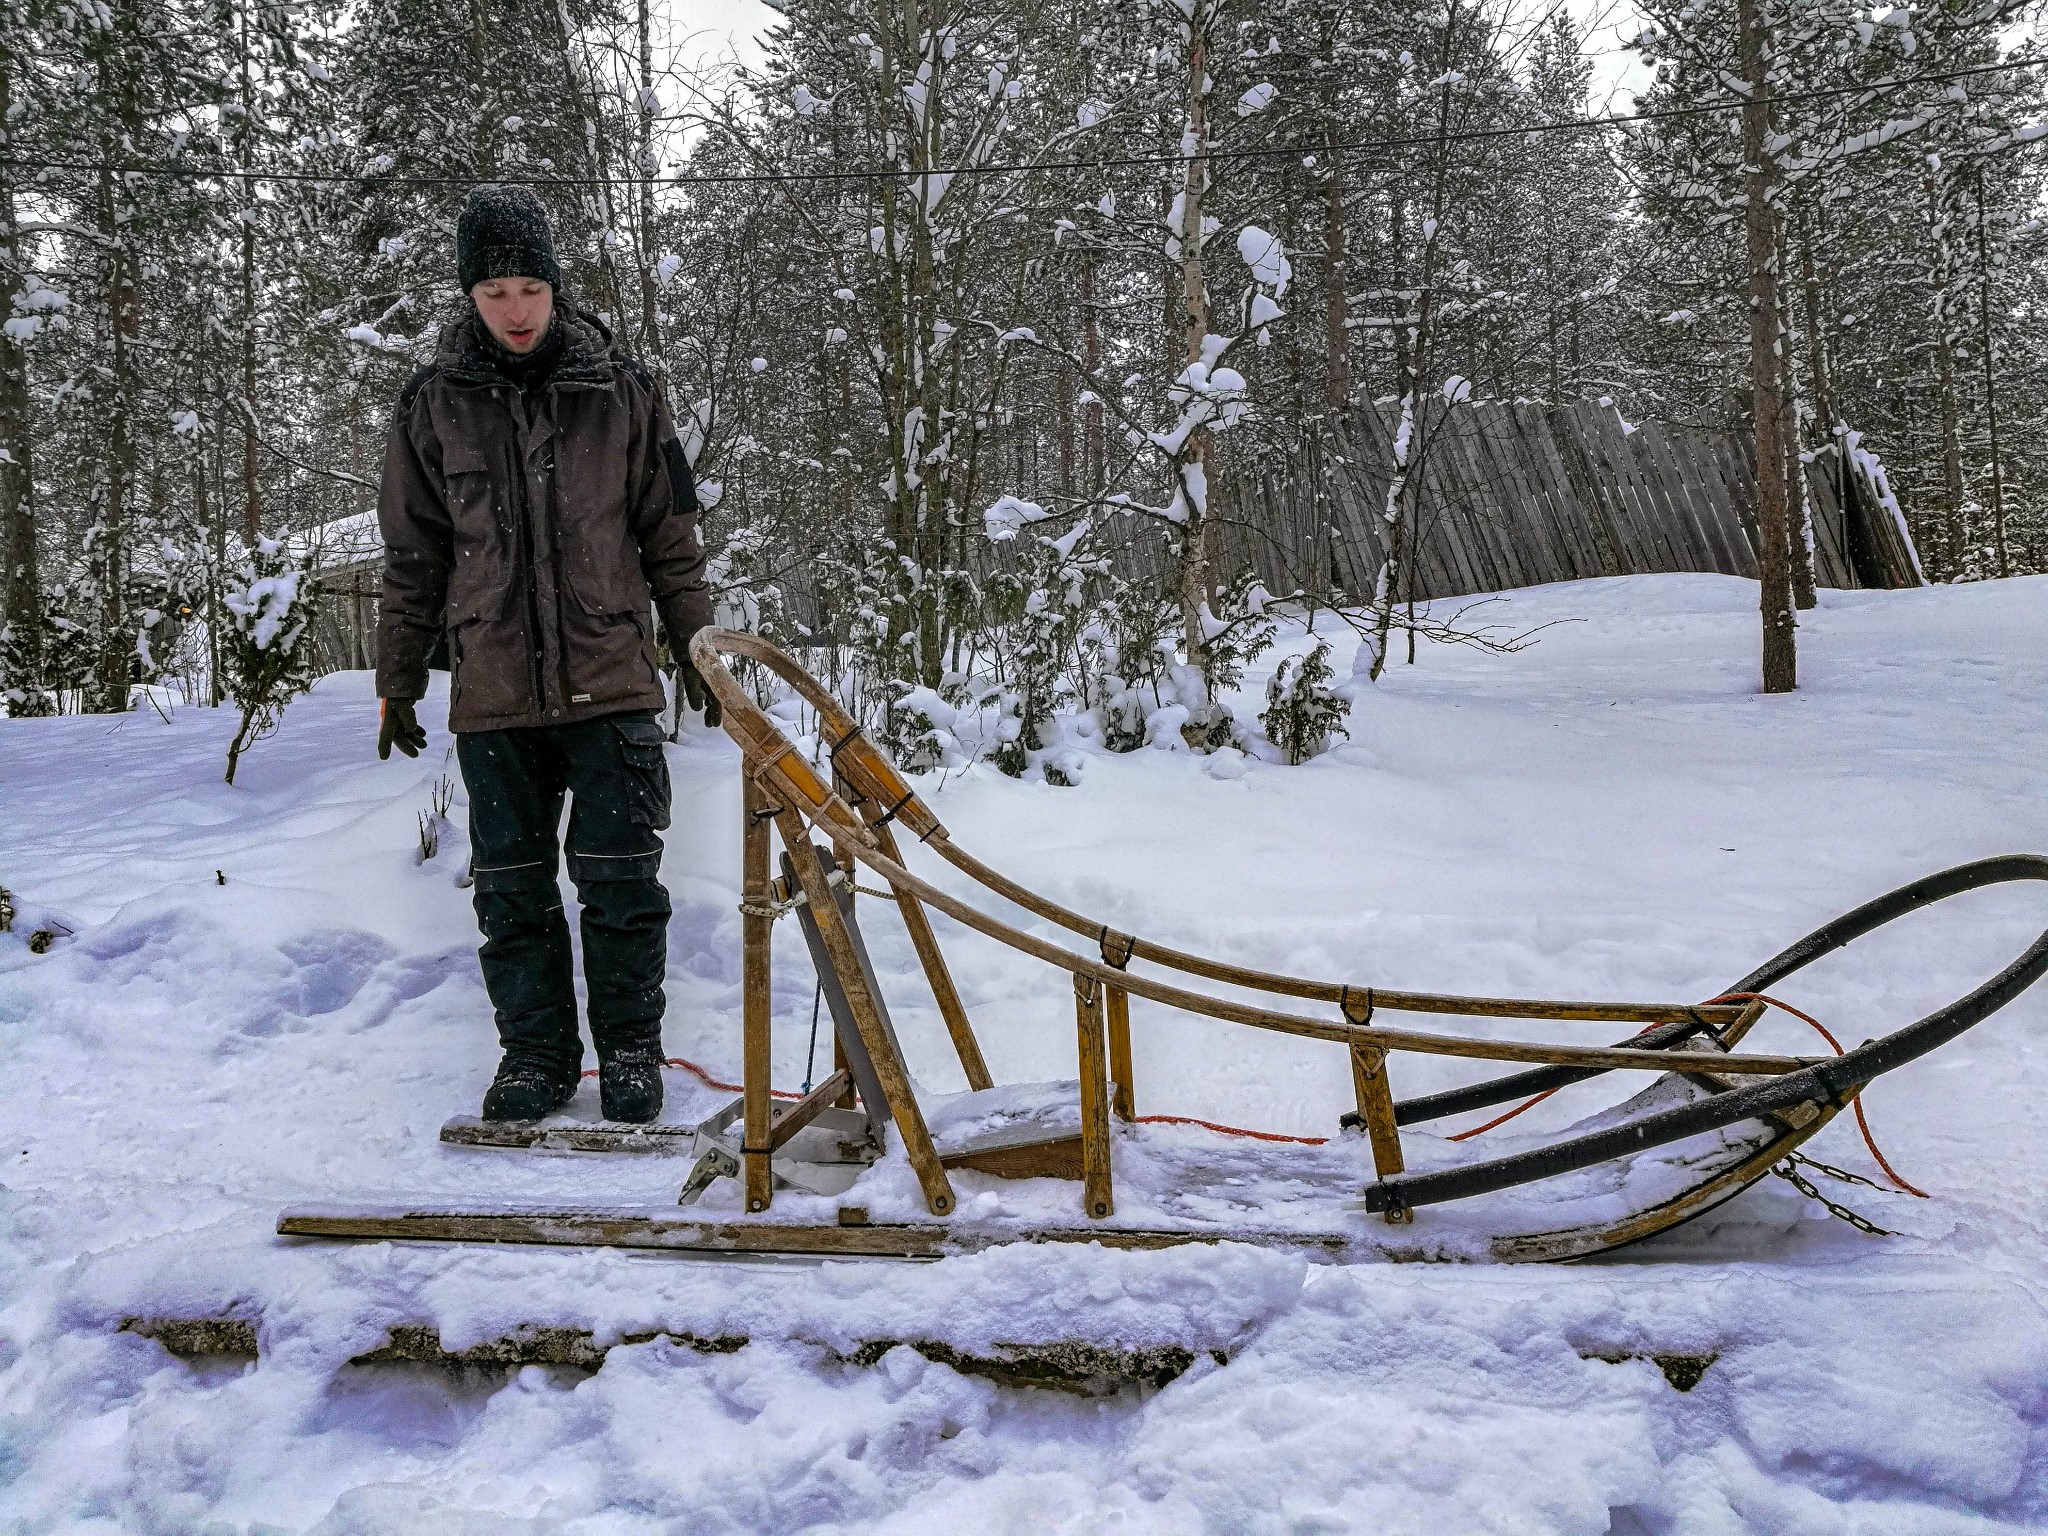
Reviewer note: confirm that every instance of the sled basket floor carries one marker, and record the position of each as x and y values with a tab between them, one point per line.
1712	1120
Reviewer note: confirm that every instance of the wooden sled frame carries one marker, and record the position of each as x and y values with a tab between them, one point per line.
1789	1097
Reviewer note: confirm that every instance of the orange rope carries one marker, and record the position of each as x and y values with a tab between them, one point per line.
708	1080
1232	1130
1738	997
1862	1124
1480	1130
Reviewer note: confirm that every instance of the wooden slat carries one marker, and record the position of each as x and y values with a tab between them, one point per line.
662	1138
1680	505
756	966
926	943
1059	1158
1124	1099
663	1228
1592	531
1097	1198
1490	504
791	1118
1533	474
881	1050
1376	1108
1711	497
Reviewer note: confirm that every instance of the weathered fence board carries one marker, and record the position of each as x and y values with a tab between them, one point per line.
1518	494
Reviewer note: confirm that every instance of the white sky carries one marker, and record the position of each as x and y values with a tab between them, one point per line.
716	29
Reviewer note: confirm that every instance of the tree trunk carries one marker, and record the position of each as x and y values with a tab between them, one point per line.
652	351
1336	312
597	204
2001	549
23	672
1780	653
107	539
1818	370
252	503
1955	534
1094	448
1798	500
1197	579
1411	440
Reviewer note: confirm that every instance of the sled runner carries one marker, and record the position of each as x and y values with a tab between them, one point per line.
1713	1120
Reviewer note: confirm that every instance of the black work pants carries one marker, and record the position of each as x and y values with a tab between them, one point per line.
614	775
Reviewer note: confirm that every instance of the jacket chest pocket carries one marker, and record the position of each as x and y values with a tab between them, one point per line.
481	583
593	512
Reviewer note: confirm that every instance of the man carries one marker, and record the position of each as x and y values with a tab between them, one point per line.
536	504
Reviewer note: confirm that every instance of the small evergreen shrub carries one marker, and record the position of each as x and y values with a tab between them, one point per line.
1302	710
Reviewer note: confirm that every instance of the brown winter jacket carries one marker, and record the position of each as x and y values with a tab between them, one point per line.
538	528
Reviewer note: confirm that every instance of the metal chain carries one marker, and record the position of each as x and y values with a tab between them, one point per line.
1788	1170
1835	1173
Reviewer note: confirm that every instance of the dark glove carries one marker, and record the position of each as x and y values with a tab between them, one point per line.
400	728
695	694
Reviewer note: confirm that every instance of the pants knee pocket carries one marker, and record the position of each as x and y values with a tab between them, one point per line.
515	879
587	867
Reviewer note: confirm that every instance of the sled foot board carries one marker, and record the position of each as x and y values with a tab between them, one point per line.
656	1228
558	1136
1057	1158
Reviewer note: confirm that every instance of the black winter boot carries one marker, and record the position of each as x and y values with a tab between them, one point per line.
526	1089
629	1084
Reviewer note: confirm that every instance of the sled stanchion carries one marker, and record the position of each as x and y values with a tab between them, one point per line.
1376	1109
1096	1196
795	1117
919	922
1375	1096
1732	1035
888	1065
757	933
1116	950
1123	1101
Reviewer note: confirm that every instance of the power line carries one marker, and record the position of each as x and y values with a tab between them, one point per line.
898	173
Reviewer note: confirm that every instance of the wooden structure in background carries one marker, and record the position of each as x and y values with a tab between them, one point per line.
1520	494
1513	495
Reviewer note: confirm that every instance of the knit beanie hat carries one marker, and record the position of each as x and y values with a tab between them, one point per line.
503	232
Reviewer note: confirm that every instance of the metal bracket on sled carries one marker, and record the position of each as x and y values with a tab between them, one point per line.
823	1158
833	1146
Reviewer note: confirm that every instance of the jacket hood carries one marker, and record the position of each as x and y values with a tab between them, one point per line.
586	347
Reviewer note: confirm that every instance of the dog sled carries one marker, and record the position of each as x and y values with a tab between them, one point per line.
1712	1120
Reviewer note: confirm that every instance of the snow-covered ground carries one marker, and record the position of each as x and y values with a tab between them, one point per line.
267	999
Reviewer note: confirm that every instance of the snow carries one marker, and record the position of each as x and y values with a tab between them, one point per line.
1264	254
1007	515
338	542
1614	812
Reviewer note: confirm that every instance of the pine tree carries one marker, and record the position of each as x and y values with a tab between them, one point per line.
266	658
1303	711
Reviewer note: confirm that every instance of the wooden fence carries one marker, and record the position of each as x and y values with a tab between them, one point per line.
1517	494
1512	495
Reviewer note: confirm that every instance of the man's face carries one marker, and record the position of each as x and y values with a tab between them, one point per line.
516	310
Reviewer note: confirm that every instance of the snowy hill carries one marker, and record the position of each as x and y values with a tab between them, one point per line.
266	996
